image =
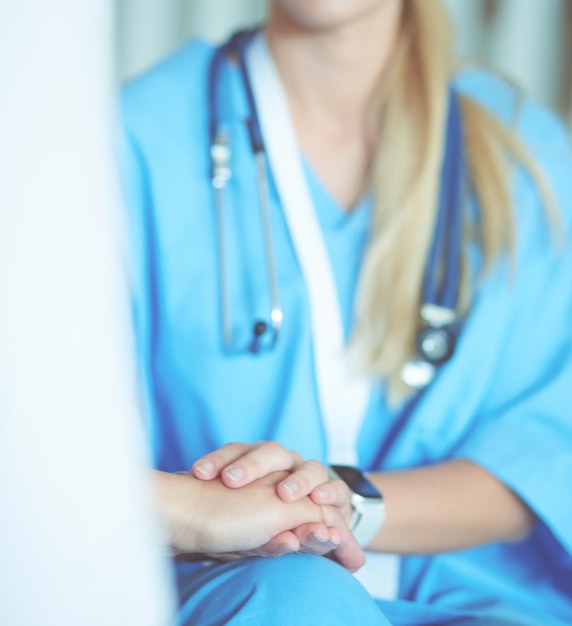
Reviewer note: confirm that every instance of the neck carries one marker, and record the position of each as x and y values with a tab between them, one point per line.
332	74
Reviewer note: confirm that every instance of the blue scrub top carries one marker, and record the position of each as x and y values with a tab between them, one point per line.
502	401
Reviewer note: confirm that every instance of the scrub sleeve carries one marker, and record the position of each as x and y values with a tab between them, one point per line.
525	436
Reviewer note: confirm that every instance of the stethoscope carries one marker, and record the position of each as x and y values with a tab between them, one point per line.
220	175
439	322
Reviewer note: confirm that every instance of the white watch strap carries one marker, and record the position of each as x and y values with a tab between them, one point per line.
367	520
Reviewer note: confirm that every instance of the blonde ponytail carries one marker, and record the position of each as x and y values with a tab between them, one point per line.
406	178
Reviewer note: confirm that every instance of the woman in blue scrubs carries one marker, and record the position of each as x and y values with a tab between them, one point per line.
476	467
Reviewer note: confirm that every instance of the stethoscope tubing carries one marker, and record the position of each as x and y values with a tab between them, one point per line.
442	276
221	174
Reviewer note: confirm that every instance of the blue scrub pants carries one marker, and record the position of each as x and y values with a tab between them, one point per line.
299	590
295	589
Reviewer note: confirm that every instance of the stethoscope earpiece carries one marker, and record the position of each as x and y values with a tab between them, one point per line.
418	374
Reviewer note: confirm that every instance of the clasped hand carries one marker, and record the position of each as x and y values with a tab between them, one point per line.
323	530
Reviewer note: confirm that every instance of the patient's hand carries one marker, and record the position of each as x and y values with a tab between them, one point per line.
208	518
237	465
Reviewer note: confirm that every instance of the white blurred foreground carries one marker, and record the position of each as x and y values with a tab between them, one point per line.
77	542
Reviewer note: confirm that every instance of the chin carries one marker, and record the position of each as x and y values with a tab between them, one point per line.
323	14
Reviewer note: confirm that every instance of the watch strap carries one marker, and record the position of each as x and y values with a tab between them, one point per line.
367	519
369	509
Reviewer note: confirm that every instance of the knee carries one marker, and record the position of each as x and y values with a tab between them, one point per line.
307	579
294	589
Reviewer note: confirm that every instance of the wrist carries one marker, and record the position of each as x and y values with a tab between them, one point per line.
175	498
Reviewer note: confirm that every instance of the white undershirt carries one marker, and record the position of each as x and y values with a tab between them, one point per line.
343	396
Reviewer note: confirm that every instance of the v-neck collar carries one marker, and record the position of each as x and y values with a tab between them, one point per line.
331	214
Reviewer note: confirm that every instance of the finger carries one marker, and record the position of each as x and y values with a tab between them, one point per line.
334	493
225	557
349	553
317	538
260	460
211	465
302	481
284	543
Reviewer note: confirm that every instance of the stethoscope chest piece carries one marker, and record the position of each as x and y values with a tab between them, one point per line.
434	345
436	338
418	373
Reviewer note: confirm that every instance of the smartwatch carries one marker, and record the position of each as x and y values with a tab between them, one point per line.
367	501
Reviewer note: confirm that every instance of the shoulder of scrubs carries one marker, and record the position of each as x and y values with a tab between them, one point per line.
158	109
167	88
525	435
166	106
539	129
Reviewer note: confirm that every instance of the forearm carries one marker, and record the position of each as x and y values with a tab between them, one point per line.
445	507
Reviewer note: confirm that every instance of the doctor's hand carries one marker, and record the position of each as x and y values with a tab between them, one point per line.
237	465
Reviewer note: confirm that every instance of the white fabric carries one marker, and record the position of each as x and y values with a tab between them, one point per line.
343	397
77	544
380	575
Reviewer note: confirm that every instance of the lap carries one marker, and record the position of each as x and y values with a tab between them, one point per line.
294	589
307	590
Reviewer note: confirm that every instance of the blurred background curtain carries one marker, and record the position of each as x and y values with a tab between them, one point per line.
526	39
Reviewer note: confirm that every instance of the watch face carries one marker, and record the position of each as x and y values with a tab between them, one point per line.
356	481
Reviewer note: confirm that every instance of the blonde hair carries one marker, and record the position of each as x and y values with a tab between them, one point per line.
406	178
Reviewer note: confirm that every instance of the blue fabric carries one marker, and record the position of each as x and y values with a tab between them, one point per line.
308	590
503	401
295	589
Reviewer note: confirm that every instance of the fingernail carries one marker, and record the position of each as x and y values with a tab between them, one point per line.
291	487
204	467
317	539
234	473
322	494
